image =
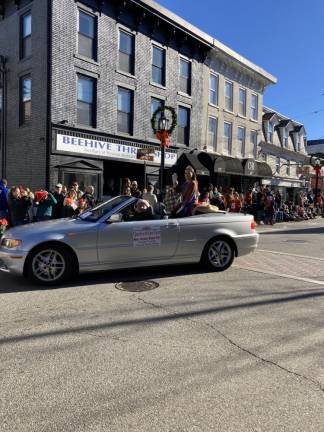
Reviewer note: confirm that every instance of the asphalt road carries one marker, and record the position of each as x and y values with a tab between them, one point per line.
237	351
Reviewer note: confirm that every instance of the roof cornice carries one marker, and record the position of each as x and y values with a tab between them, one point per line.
204	38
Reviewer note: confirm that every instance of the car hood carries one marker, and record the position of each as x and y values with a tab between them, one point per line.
53	226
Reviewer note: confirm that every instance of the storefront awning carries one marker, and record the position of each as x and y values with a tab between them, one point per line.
264	170
191	158
253	168
228	165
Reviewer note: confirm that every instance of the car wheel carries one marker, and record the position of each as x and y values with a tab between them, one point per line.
218	254
50	265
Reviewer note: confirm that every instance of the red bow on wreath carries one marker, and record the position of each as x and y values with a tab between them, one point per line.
164	138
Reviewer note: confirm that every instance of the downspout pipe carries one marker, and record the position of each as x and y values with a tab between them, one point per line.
49	95
3	120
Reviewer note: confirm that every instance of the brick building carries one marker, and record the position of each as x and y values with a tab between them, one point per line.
80	80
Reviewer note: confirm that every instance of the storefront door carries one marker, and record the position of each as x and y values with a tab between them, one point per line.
84	179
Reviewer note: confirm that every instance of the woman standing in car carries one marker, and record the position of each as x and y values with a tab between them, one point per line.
189	193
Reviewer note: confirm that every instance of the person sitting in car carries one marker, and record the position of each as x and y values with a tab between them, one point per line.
143	211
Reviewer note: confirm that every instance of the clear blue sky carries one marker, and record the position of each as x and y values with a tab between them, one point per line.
285	37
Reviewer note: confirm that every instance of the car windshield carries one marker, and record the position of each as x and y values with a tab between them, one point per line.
101	210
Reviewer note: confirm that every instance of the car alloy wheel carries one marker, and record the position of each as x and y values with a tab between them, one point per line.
48	265
218	254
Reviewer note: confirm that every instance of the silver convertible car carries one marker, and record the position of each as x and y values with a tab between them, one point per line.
107	237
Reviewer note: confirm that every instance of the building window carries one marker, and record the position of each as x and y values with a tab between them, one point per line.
87	41
254	107
86	101
227	137
212	133
278	165
241	141
185	76
213	89
288	168
25	38
298	143
155	104
285	138
254	143
25	99
183	125
158	65
242	102
125	111
270	132
126	52
229	96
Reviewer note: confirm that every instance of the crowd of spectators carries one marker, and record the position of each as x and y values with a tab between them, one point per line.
19	205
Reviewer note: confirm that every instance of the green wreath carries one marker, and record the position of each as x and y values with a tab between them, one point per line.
174	118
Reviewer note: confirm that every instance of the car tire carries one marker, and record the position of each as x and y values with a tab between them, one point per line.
218	254
50	265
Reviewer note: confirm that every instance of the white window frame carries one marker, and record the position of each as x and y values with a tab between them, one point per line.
228	140
216	90
285	137
212	146
256	108
155	44
96	24
254	144
278	165
288	168
232	96
241	151
270	132
242	90
121	28
187	60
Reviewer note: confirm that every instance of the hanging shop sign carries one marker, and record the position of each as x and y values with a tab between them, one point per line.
91	147
250	167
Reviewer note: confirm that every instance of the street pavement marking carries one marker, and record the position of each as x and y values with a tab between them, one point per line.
290	254
282	275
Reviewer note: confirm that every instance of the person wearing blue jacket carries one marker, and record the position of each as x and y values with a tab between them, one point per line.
3	199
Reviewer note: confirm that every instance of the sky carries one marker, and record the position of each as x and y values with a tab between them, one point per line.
284	37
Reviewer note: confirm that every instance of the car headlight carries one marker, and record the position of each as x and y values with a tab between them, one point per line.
10	243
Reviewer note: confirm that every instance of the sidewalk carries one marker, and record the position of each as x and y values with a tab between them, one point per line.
284	226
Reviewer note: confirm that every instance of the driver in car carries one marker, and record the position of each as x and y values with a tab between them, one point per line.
143	211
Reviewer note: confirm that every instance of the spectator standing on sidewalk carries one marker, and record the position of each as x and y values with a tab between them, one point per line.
89	197
150	196
58	207
70	204
3	199
18	205
45	202
79	192
171	199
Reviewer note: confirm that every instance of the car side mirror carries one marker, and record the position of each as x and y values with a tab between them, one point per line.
117	217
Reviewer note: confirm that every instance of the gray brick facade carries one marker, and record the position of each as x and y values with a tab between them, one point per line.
26	145
32	157
66	63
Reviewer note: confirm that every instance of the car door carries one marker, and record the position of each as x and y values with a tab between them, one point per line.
137	241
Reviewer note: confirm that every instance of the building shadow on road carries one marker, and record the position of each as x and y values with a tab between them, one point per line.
163	316
19	284
319	230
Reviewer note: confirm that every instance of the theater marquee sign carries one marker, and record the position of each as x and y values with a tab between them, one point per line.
107	150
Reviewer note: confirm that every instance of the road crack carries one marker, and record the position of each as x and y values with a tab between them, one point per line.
236	345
